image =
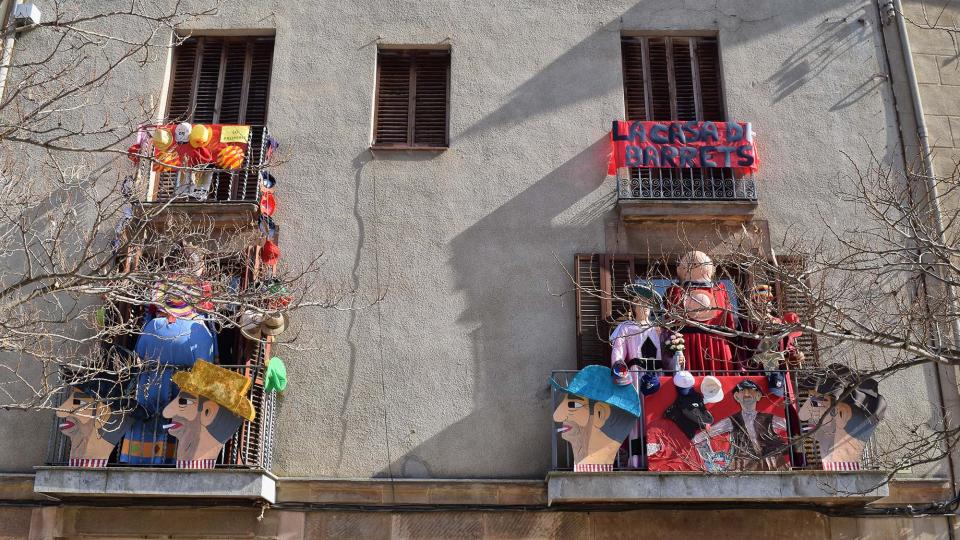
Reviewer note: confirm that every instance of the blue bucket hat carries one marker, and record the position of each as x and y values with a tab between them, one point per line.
597	383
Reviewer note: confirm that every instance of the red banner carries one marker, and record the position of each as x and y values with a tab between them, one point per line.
683	144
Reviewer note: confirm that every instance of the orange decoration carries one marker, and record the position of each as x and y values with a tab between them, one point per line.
166	162
230	157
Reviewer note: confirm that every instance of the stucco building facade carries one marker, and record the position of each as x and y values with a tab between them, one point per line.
432	405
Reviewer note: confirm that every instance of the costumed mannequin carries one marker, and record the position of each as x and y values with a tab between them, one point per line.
175	339
94	416
697	298
211	406
637	347
596	416
848	421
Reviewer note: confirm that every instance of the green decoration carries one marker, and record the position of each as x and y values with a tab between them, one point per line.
275	379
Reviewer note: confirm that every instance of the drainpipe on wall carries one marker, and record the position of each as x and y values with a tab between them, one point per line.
6	56
894	9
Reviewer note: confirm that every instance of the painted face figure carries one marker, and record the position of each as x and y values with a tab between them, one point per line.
191	419
89	426
181	133
835	444
582	423
748	399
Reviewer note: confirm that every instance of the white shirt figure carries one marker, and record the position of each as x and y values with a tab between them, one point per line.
634	340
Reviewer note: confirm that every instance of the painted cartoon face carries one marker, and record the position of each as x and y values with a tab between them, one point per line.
747	398
77	414
812	410
184	414
181	133
573	413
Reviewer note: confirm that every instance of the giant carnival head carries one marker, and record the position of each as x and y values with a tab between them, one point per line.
94	415
596	415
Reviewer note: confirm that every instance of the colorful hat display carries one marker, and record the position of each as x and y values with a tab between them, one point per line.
684	382
275	378
222	386
162	139
181	133
230	157
621	373
200	136
711	389
643	289
166	162
255	325
270	253
775	382
267	181
268	203
597	383
133	153
649	383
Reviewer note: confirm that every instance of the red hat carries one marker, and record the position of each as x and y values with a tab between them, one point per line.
270	253
268	204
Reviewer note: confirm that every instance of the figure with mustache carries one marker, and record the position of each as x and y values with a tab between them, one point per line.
210	408
596	415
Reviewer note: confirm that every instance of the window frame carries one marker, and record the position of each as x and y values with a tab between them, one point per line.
693	39
413	52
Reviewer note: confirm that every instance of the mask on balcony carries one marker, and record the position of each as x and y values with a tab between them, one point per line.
596	415
94	417
209	410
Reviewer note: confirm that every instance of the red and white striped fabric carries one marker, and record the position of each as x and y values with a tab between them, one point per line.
196	463
841	465
592	467
88	463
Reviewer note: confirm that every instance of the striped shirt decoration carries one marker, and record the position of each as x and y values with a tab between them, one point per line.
196	463
88	463
841	465
593	467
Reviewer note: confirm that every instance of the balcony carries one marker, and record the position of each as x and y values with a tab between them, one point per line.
241	471
652	467
689	193
240	185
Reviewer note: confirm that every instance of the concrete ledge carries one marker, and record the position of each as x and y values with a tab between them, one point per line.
814	487
136	482
412	491
653	209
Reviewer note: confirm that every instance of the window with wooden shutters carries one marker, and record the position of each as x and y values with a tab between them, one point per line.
412	101
222	80
677	78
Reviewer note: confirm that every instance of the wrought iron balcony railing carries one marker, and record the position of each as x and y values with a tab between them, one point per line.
699	184
251	447
235	185
795	449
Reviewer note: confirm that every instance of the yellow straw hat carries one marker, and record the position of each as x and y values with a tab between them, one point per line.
227	388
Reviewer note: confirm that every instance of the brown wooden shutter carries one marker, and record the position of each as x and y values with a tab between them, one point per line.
791	298
672	78
413	93
659	88
633	86
620	269
221	80
711	97
593	346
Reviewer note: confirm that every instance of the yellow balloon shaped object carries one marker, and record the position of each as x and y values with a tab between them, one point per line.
162	139
166	161
230	157
200	136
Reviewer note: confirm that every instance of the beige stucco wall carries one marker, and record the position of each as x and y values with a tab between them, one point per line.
447	376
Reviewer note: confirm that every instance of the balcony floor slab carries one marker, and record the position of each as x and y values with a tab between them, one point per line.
809	487
141	482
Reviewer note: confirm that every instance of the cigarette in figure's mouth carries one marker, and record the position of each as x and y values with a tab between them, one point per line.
168	426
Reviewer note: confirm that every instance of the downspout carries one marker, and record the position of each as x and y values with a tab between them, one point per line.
933	202
10	37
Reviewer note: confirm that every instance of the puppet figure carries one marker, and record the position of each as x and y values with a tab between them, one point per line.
703	305
94	416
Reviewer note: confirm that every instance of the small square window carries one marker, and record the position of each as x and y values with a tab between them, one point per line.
412	98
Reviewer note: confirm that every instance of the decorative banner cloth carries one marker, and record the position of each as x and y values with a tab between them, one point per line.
747	428
683	144
206	149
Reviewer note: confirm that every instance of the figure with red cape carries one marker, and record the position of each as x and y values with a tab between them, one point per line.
705	307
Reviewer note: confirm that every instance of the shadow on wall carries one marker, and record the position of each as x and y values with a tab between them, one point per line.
518	338
836	36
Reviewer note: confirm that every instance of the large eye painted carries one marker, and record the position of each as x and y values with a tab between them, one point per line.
77	402
574	404
184	401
